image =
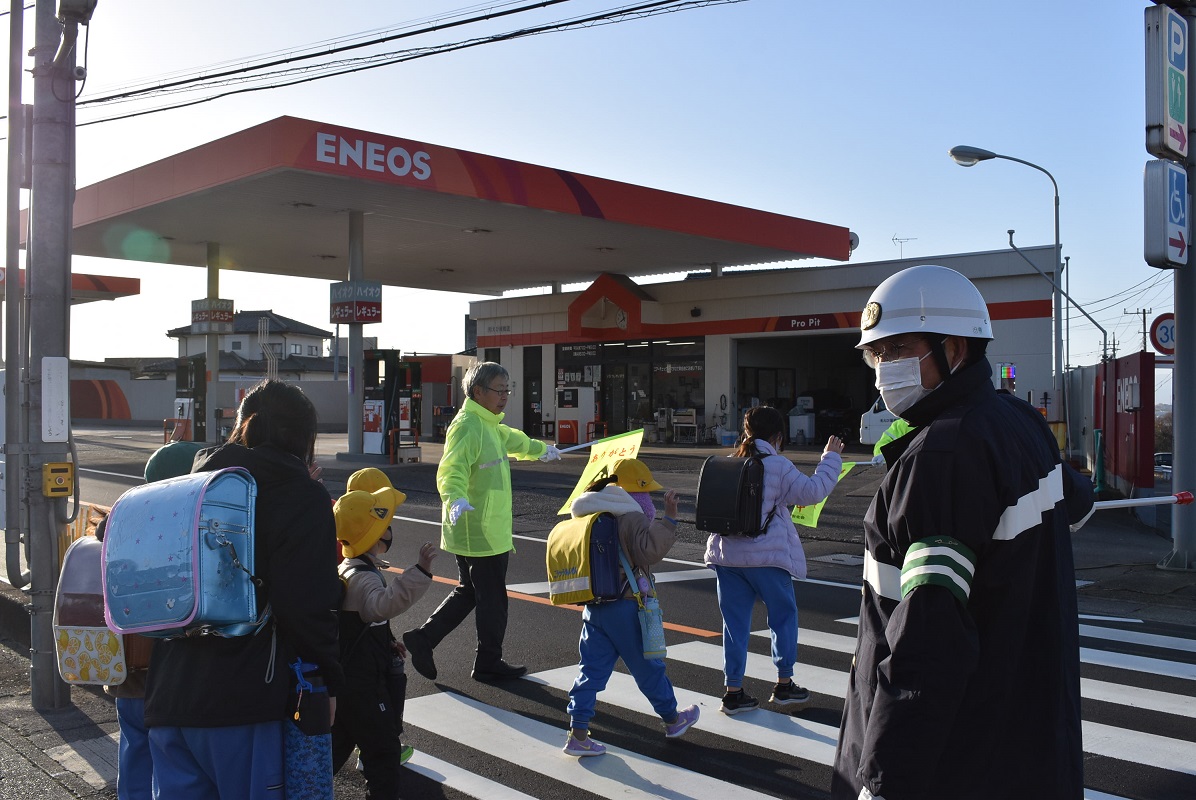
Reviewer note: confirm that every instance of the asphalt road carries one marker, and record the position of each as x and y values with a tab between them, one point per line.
460	724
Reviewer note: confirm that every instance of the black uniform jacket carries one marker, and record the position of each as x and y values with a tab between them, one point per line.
210	681
965	681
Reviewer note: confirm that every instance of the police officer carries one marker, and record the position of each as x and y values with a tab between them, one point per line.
965	681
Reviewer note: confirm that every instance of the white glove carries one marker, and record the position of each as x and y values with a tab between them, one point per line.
459	507
551	454
878	460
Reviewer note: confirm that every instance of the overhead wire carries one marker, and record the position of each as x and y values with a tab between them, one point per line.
327	52
247	60
613	16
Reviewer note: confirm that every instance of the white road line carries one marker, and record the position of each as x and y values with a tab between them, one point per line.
830	682
815	742
674	576
1134	697
1099	739
1152	666
1136	637
124	475
1103	618
462	780
781	733
1088	655
834	682
1135	747
413	519
536	746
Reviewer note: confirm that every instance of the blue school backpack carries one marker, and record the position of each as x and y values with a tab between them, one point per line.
178	557
583	561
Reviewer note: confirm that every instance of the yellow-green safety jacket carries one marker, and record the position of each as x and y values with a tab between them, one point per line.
475	466
895	431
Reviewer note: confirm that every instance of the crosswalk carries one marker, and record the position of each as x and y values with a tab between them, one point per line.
1123	721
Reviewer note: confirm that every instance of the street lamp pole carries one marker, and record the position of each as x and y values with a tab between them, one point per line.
966	156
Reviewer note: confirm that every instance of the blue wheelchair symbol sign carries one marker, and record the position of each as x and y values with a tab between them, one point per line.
1177	197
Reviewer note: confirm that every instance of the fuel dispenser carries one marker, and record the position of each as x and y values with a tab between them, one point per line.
575	408
190	390
393	403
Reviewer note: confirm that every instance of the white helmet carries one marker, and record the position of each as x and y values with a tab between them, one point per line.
925	299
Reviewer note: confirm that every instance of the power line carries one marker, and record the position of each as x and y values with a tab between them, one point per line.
614	16
1154	280
6	13
327	52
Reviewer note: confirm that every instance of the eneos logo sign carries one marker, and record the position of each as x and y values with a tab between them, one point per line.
373	156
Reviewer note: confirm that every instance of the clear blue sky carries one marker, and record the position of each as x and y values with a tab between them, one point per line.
836	112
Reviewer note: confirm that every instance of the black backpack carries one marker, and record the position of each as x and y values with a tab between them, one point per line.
730	496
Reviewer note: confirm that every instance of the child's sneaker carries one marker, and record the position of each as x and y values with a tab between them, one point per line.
405	754
789	694
686	717
738	701
579	748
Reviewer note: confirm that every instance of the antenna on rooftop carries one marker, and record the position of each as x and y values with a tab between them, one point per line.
901	244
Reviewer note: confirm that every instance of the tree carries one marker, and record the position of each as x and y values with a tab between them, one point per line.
1164	433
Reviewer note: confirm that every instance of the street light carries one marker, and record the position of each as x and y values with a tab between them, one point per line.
966	156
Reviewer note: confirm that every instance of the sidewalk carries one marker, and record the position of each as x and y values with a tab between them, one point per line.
71	753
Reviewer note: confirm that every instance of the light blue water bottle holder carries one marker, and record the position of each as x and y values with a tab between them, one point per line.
651	618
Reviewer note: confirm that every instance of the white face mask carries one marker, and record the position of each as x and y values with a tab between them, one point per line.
900	383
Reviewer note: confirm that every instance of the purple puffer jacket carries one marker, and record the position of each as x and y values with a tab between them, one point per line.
784	487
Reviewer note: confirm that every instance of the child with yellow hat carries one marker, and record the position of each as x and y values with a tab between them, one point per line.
611	631
370	708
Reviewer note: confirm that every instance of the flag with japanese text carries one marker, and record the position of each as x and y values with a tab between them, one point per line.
808	515
604	453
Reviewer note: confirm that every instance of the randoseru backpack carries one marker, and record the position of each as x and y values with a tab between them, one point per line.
178	557
583	560
730	495
88	653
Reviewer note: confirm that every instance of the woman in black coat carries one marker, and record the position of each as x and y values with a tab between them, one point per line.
215	706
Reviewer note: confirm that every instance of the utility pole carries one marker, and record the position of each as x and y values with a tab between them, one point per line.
1143	312
18	159
1067	316
48	282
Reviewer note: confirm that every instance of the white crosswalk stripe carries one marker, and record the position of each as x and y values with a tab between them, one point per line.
781	733
535	746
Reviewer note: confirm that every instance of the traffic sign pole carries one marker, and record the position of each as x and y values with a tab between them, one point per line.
1183	517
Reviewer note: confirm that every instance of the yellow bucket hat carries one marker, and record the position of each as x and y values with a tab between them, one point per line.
362	517
371	479
634	476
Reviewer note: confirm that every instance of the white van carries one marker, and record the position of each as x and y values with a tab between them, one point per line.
875	421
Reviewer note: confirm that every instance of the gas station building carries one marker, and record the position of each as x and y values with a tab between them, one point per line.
361	209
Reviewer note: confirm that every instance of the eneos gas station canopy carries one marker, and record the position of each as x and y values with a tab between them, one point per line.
275	199
88	288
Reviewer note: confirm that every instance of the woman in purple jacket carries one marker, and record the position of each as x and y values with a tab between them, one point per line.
763	567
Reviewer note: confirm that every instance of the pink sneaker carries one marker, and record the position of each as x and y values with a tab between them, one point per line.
686	717
578	748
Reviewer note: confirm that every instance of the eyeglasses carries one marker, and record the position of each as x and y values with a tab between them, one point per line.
499	392
891	351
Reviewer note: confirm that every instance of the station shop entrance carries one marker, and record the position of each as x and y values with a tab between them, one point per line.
819	374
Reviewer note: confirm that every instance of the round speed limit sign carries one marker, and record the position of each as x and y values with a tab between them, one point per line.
1162	334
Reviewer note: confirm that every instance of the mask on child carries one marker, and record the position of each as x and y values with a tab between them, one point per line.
900	383
645	501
